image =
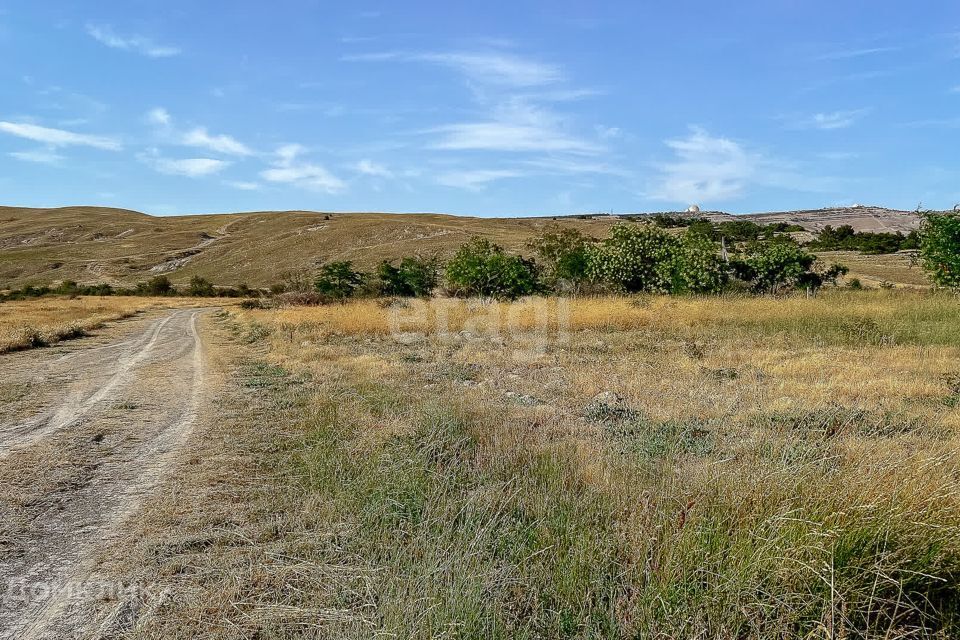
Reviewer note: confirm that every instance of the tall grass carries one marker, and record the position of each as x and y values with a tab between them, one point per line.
777	469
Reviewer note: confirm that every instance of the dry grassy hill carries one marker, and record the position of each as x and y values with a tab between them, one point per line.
119	246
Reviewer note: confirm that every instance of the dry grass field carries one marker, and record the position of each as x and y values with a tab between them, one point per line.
44	321
613	467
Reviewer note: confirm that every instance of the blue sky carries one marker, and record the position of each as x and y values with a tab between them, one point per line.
482	108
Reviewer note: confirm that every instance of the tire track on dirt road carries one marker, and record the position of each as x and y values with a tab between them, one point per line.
85	465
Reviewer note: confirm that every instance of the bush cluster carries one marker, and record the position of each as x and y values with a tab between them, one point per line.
156	286
844	238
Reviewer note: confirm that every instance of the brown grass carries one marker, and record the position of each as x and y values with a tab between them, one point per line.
25	324
776	468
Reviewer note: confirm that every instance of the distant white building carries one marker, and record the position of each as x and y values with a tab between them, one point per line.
693	209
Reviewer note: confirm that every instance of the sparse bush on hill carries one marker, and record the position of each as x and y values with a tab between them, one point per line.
845	238
940	248
481	268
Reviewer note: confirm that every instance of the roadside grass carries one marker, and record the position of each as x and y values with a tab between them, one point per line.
770	473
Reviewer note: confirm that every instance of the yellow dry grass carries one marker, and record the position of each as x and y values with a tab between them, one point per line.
772	468
43	321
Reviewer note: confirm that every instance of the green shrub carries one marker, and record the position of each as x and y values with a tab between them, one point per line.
338	280
773	267
940	248
635	258
697	266
156	286
565	255
200	287
481	268
413	277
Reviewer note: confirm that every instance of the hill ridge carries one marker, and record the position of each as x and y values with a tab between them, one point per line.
120	246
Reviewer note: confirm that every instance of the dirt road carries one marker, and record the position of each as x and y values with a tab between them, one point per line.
87	431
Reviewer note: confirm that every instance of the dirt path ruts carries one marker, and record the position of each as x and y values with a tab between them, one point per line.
73	472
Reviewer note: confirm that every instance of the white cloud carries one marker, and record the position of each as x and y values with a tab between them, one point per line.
607	133
842	54
516	126
371	168
199	137
287	169
501	136
498	68
42	156
104	34
59	137
554	165
190	167
709	168
825	120
159	116
835	119
489	68
475	179
243	185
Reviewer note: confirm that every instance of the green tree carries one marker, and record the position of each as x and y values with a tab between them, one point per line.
775	266
635	258
413	277
565	254
697	266
481	268
157	286
338	280
200	287
940	248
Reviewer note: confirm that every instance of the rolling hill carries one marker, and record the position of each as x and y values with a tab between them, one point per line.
120	246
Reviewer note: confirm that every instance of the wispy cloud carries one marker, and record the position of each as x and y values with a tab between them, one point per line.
607	133
159	116
40	156
59	137
496	68
828	120
709	168
516	126
289	169
371	168
505	136
199	137
243	185
843	54
190	167
475	179
196	137
104	34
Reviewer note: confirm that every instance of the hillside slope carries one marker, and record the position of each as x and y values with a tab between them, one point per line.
119	246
